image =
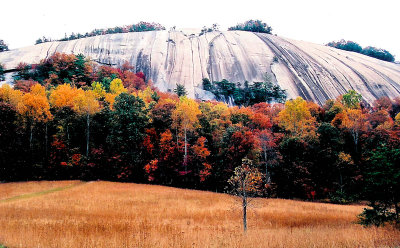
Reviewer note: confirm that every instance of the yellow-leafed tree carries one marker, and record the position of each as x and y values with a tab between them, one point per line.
98	89
116	88
297	119
35	108
184	118
11	96
86	104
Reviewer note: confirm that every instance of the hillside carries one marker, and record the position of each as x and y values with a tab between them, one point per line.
106	214
313	71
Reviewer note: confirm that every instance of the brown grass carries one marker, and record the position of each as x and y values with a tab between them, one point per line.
9	190
105	214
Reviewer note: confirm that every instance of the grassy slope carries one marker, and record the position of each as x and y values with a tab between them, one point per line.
105	214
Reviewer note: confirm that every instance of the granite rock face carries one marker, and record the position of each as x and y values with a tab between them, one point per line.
314	72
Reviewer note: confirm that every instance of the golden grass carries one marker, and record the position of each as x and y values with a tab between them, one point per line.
10	190
106	214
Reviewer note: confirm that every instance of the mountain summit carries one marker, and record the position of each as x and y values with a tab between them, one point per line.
314	72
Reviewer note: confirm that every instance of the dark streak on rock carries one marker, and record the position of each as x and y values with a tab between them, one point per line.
210	56
394	84
281	54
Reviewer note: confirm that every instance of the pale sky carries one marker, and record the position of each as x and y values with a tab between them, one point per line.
367	22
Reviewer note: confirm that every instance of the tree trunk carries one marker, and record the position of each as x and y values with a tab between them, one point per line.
46	144
68	135
267	177
31	137
244	204
87	134
355	138
185	156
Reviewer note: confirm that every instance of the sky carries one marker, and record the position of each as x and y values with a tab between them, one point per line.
368	22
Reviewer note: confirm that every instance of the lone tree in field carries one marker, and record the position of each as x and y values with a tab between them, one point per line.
246	182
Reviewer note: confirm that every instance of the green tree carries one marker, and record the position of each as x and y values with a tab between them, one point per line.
180	90
128	122
253	26
346	45
3	46
2	78
352	99
382	187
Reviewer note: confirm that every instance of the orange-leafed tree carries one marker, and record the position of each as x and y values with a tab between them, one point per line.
86	104
63	96
353	120
62	99
297	119
185	118
200	154
11	96
167	158
246	182
35	108
381	119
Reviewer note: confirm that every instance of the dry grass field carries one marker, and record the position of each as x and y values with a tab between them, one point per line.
106	214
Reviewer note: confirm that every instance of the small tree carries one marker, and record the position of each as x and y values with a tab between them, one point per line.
346	45
2	77
3	46
246	182
180	90
352	99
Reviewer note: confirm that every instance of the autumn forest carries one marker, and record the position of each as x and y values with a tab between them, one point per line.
68	118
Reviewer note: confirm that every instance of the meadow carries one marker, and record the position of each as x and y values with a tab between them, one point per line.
109	214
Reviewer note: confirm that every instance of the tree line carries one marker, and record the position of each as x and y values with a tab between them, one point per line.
67	118
138	27
370	51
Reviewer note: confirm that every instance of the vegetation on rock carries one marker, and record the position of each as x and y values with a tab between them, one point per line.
253	26
139	27
3	46
246	95
374	52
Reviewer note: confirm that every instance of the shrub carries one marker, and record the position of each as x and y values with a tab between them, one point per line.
346	45
2	78
378	53
3	46
248	94
253	26
374	52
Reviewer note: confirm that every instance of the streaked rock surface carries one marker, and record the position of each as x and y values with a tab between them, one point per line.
315	72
